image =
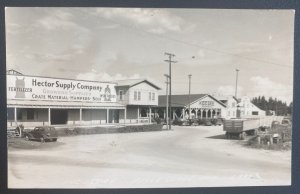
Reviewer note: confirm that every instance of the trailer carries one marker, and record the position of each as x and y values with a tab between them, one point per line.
239	127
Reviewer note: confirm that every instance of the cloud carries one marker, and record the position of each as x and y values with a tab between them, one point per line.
105	76
268	88
228	90
201	53
154	20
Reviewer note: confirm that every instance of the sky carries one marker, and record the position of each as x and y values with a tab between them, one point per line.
107	44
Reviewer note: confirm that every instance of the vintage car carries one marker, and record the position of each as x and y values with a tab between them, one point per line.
44	133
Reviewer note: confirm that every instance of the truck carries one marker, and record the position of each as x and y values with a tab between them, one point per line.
239	127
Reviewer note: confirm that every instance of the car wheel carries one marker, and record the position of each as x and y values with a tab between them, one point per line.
42	139
26	137
54	139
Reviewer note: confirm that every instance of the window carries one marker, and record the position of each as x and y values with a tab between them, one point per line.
10	114
30	114
139	95
254	112
121	94
19	114
233	105
135	95
228	113
153	96
233	113
149	96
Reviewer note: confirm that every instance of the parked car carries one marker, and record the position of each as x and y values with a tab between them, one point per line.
44	133
286	122
207	122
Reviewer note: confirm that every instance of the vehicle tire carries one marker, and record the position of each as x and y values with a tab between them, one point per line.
42	140
27	138
54	139
226	135
243	134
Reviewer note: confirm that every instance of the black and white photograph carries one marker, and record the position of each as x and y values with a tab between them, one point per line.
111	97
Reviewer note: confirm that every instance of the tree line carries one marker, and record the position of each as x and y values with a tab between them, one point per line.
273	105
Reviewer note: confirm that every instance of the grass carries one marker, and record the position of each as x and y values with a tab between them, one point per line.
280	146
21	143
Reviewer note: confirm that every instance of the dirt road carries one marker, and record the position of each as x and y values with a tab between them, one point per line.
184	157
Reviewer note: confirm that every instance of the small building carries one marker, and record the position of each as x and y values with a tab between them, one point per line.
248	109
231	103
191	106
139	96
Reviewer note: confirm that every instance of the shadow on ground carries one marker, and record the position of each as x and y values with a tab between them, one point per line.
221	136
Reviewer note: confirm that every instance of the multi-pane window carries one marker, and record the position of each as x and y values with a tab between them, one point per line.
149	96
121	94
30	114
233	104
153	96
135	95
139	95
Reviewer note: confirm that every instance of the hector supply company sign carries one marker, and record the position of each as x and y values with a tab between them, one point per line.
42	88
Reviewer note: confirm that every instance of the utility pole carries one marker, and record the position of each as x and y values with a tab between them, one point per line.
170	84
190	76
236	82
167	111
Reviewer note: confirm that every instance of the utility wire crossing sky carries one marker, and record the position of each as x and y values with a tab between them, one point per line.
120	43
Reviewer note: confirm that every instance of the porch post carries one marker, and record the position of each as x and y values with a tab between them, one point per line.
125	115
138	114
173	115
201	113
196	113
107	116
80	115
150	113
16	120
49	116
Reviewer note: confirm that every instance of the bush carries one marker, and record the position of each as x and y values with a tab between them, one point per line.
177	122
201	121
214	121
104	130
157	120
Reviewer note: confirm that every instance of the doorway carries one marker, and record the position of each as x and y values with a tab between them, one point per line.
59	116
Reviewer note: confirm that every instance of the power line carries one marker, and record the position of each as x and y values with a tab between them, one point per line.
199	46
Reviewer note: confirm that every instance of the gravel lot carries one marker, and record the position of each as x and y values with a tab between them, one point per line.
197	156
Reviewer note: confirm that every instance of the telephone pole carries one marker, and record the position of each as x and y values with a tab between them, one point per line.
236	82
167	111
190	76
170	84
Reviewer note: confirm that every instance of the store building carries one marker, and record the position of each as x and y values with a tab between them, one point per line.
231	103
139	96
34	100
248	109
191	106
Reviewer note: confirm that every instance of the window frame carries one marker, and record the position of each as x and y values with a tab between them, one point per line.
121	96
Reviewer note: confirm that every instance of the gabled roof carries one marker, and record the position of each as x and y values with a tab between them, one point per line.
13	72
224	98
133	82
183	100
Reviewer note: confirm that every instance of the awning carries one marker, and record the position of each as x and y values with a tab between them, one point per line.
66	105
